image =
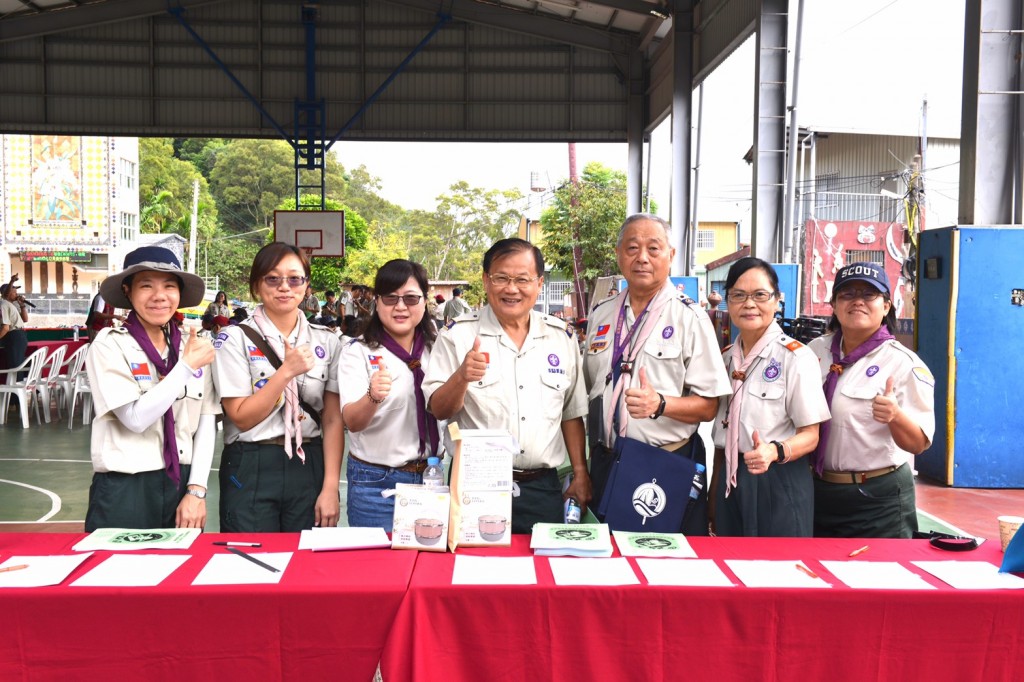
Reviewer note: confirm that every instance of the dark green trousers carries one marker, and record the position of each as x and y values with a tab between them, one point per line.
539	501
148	499
881	507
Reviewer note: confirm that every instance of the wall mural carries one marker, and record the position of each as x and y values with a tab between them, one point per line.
56	179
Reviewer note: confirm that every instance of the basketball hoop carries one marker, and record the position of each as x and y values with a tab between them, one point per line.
308	250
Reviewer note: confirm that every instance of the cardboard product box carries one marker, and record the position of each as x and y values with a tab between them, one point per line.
421	518
481	486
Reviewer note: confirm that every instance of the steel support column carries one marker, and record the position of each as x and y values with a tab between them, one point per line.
990	132
635	116
682	100
769	129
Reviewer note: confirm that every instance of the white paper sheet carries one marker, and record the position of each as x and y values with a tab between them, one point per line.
763	573
121	539
493	570
672	545
132	570
686	572
971	575
592	571
41	571
876	575
339	537
231	569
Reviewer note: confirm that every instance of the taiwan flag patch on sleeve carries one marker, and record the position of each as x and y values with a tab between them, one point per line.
140	371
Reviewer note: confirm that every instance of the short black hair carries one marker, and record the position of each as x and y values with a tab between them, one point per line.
456	291
506	247
750	263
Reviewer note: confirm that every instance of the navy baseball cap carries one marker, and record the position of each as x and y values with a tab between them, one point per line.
863	272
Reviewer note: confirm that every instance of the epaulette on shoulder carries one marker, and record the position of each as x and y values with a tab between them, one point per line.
603	301
553	321
686	299
791	344
467	317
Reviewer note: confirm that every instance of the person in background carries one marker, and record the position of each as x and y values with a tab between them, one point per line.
882	400
391	434
310	305
456	307
329	313
283	435
349	328
238	316
362	304
219	306
101	315
153	436
219	323
651	361
13	316
438	312
511	368
761	484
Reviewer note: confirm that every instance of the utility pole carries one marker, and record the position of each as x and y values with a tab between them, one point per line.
577	251
194	228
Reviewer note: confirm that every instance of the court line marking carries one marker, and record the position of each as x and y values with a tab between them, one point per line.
945	523
54	499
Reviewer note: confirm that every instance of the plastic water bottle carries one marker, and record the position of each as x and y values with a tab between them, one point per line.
572	511
433	475
696	488
76	332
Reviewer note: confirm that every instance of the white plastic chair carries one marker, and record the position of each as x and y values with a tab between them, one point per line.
47	385
25	388
80	386
73	364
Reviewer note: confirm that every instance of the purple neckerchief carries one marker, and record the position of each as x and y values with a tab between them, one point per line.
163	368
874	341
426	424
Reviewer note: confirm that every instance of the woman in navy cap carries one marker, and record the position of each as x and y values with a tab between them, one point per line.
152	439
881	396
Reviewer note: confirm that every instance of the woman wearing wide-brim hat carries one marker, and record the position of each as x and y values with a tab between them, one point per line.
155	402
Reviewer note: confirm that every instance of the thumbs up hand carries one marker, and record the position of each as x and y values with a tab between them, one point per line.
199	352
474	365
643	401
885	407
761	457
297	360
380	383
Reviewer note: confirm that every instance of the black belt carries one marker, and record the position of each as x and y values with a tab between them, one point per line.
417	466
528	474
280	440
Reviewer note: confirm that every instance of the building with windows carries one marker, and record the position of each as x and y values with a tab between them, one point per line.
69	211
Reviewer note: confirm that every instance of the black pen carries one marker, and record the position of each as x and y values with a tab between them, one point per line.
253	559
238	544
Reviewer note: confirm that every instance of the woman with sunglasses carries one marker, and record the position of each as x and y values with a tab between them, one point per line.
882	400
391	432
761	486
278	381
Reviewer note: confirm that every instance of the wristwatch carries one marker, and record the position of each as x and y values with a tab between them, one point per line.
201	494
780	450
661	408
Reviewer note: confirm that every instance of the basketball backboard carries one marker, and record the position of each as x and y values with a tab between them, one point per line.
318	233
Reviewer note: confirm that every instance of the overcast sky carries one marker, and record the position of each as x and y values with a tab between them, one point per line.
865	65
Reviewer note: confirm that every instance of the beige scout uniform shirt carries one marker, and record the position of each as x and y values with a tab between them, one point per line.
783	393
681	357
10	314
392	438
856	441
240	369
119	373
528	392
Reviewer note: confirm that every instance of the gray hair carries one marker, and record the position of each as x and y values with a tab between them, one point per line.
644	216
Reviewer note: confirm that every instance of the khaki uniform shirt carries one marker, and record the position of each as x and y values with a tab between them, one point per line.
240	369
526	391
681	357
392	438
10	314
119	373
782	393
856	441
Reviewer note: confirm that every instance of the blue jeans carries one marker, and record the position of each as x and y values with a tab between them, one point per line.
366	507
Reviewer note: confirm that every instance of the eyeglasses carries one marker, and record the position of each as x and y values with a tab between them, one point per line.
760	296
408	299
868	295
502	281
273	281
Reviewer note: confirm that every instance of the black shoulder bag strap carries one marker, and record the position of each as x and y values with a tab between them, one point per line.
265	348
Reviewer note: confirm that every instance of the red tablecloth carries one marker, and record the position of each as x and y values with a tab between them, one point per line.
645	632
327	619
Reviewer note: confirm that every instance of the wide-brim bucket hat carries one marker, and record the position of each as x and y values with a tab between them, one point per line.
158	259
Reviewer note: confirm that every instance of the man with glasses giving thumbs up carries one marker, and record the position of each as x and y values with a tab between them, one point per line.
509	367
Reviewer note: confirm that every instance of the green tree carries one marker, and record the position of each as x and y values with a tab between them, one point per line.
165	191
599	210
384	244
250	178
